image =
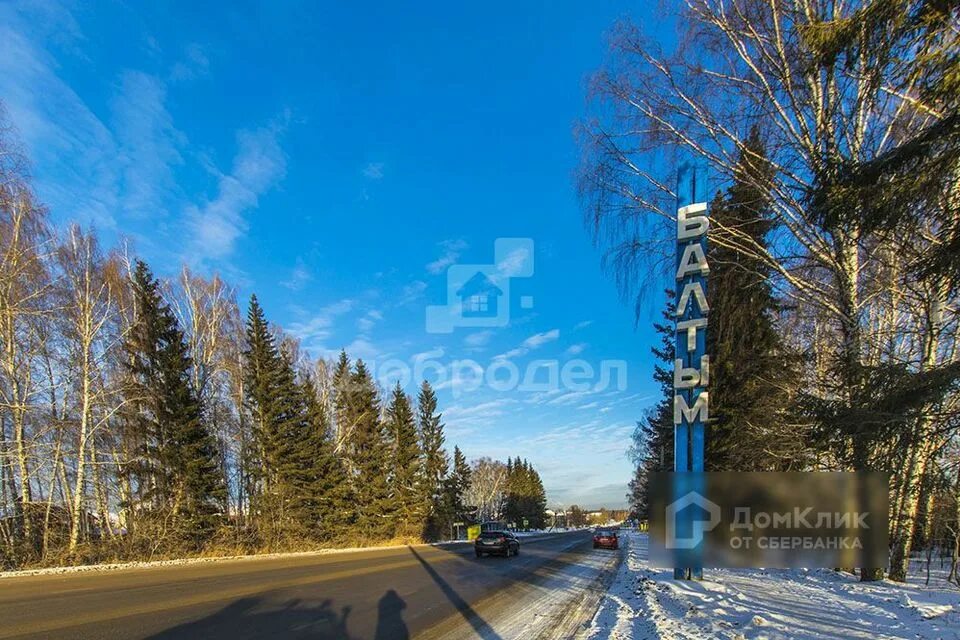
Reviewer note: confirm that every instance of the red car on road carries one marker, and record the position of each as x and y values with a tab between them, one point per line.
606	538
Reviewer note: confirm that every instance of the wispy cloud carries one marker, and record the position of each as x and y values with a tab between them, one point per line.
478	338
59	130
369	320
194	64
149	145
258	165
314	331
514	262
298	277
571	397
535	341
411	292
373	170
582	325
451	253
576	349
126	166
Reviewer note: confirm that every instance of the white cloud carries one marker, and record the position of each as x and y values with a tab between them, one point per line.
361	348
317	329
105	172
298	277
535	341
570	397
149	145
62	136
540	339
491	408
582	325
258	165
451	253
575	349
478	338
514	262
194	64
411	292
369	320
373	170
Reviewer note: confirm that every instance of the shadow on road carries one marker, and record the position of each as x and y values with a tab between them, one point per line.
479	625
390	624
258	618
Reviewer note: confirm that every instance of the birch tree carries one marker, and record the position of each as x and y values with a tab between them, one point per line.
91	338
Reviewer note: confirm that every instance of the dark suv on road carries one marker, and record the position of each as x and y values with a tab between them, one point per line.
500	542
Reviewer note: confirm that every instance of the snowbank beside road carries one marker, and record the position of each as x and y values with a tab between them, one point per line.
646	602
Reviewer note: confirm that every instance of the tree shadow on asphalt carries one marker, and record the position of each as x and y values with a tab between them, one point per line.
258	618
479	625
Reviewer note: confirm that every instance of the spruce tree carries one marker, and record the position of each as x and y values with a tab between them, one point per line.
435	463
283	467
293	451
329	489
751	377
369	456
456	486
406	475
177	470
262	374
652	448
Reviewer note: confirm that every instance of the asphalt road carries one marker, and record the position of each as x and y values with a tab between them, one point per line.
378	594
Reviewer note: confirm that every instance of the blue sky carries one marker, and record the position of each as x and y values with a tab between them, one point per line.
336	160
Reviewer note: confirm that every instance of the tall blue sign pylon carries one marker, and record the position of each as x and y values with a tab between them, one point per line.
691	362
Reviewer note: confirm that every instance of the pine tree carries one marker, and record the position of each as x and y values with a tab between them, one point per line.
751	377
435	463
177	472
405	490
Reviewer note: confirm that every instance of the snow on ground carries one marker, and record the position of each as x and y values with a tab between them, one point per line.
646	602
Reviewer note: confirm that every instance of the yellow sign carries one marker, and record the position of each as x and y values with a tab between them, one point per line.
473	532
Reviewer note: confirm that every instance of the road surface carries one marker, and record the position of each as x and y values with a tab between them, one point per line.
432	592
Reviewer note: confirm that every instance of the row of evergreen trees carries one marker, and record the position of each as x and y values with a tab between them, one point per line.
526	501
316	464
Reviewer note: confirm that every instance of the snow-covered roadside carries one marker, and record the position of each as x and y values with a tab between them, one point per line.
646	602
